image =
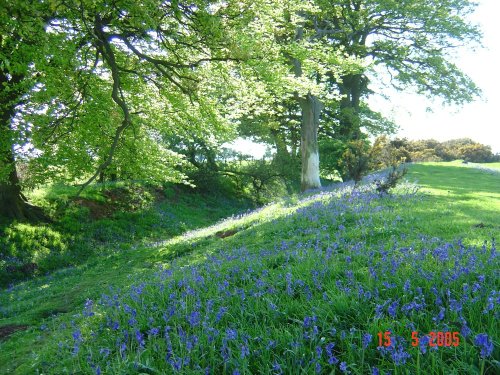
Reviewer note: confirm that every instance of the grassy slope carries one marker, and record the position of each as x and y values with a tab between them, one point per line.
461	203
116	261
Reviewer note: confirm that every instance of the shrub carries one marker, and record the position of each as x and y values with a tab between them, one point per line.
391	180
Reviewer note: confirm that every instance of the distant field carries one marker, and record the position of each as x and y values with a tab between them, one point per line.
309	284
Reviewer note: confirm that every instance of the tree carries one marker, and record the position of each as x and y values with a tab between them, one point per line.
297	47
405	44
18	46
89	86
411	39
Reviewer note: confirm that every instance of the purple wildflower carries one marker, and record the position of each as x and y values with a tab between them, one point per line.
331	358
343	367
392	309
423	342
318	367
231	334
440	315
482	340
194	318
319	352
105	352
245	352
277	368
140	338
87	310
367	338
399	356
221	313
77	335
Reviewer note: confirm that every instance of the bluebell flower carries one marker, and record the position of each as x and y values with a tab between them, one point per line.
77	335
87	310
367	338
317	367
319	351
225	352
399	356
122	349
221	313
277	368
154	331
105	352
482	340
440	315
231	334
140	338
455	305
392	309
244	351
343	366
329	351
194	318
423	343
406	287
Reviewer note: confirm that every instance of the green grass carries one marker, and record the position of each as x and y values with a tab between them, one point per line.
461	202
457	203
102	222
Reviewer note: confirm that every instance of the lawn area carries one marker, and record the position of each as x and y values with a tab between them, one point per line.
309	284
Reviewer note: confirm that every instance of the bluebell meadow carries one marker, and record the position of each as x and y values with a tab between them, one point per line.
336	272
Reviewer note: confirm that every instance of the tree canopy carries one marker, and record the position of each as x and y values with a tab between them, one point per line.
91	88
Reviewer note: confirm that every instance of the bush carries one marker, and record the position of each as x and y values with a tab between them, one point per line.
391	180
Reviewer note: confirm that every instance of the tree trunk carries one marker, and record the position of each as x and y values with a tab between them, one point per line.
13	204
311	109
351	88
282	154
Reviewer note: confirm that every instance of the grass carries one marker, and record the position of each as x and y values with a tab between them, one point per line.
101	222
304	285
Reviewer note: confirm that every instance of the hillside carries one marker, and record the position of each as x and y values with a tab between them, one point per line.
305	285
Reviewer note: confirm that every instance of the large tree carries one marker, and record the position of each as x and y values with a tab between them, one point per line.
295	66
404	44
22	37
101	85
409	42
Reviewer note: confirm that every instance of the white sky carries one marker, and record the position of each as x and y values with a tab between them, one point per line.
478	120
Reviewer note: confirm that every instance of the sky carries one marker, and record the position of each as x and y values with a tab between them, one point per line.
478	120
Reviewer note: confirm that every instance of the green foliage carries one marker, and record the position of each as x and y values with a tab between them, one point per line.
355	160
430	150
389	153
392	179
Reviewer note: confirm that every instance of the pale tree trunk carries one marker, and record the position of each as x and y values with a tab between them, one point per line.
311	108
